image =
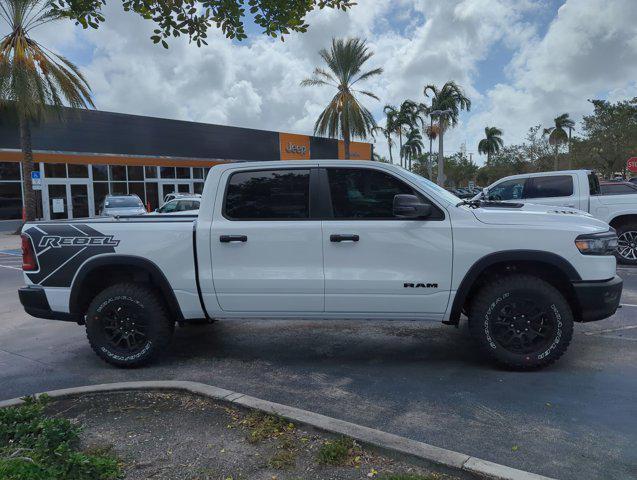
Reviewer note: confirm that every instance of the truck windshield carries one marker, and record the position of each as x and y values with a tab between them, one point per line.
429	185
119	202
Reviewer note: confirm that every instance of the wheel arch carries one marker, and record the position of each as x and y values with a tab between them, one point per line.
622	219
101	272
555	269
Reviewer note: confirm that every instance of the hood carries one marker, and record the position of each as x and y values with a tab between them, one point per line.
532	214
111	212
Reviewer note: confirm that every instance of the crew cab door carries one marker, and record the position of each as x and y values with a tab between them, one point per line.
559	190
374	261
266	252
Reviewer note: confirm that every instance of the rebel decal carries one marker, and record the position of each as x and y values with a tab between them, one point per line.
62	248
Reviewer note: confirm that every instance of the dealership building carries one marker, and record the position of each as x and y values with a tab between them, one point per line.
92	153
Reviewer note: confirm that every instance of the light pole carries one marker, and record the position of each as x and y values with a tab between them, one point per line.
441	161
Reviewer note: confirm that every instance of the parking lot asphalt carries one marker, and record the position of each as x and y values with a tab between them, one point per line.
574	420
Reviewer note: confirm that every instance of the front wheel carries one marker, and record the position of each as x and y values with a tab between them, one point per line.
127	325
521	322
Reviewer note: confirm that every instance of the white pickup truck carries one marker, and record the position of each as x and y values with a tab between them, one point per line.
326	239
575	189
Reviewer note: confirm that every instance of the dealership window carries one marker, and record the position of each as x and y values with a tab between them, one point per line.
100	190
150	172
78	171
55	170
183	172
137	188
167	172
118	172
197	172
118	188
198	187
100	172
135	173
152	195
9	171
10	200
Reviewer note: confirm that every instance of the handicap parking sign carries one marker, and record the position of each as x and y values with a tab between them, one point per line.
36	180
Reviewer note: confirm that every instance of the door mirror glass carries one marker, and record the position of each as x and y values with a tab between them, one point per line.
410	206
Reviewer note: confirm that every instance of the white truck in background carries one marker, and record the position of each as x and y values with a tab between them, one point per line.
326	239
575	189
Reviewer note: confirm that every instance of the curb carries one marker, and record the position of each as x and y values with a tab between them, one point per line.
439	457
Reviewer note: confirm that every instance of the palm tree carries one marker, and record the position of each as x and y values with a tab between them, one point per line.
449	98
491	143
412	147
401	118
558	136
432	131
34	80
344	115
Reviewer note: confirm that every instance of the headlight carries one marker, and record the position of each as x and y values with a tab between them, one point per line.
604	243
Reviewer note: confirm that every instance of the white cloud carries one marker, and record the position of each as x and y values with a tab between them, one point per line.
589	49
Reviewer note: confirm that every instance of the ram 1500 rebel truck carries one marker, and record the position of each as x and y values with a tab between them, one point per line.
326	239
576	189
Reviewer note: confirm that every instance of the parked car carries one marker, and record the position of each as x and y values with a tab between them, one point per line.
576	189
171	196
113	205
179	206
330	239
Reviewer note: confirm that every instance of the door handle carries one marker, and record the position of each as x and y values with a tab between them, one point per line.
344	238
233	238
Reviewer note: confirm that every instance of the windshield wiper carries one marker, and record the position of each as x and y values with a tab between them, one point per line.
470	203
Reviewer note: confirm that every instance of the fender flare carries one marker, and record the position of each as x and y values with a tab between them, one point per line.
491	259
156	275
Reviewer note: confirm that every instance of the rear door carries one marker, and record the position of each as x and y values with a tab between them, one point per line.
558	190
375	262
266	249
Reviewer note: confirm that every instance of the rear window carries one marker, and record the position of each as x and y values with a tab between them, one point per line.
120	202
593	184
268	195
617	189
550	186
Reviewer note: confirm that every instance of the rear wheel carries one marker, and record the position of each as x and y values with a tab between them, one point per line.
521	322
626	252
127	325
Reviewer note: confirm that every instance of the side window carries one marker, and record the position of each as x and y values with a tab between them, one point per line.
366	194
508	190
593	184
169	207
551	186
268	195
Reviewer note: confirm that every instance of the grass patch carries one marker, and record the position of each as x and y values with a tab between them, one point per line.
406	476
282	459
262	426
34	446
337	452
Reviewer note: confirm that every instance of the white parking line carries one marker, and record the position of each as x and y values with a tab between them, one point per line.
8	266
610	330
628	305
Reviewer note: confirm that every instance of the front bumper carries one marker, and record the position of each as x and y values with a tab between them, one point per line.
35	303
599	299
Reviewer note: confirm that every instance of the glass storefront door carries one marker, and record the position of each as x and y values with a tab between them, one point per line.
67	199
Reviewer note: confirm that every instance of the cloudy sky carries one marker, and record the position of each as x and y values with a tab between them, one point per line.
522	62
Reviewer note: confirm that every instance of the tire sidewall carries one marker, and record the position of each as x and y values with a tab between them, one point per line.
621	230
484	316
97	335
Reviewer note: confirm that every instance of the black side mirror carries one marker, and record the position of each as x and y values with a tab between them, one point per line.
410	206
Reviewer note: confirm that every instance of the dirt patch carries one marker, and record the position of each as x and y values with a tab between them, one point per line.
185	437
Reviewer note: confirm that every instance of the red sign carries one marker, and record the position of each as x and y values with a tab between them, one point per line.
631	164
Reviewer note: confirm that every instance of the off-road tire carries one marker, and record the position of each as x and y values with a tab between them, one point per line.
487	314
145	307
629	230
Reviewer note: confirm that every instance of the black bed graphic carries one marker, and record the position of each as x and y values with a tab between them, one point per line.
61	249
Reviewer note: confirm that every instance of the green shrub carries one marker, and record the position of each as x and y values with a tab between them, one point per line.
336	452
34	446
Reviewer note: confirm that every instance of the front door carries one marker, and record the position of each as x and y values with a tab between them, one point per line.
375	262
266	252
68	199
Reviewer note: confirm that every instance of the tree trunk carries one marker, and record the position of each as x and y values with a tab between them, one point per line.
556	162
391	158
570	162
400	142
27	168
346	143
441	161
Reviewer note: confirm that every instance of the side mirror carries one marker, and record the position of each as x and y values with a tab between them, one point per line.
410	206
